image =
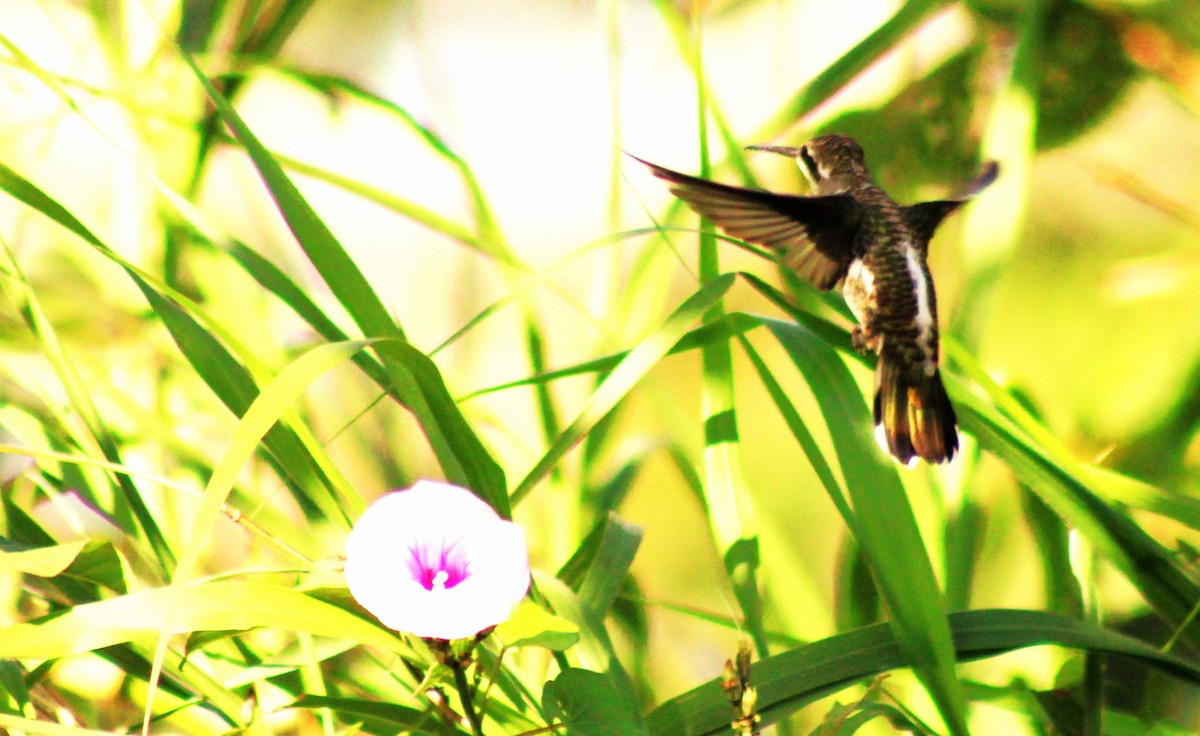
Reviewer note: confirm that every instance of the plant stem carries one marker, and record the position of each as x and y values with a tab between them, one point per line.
464	693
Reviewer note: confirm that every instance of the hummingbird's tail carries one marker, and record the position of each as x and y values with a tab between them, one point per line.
913	414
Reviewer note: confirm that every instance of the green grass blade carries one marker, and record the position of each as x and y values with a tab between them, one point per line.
399	205
48	561
548	415
459	451
486	238
624	377
236	387
297	460
377	717
101	437
728	326
1006	429
265	411
838	74
1114	535
26	191
274	280
833	334
463	458
488	232
410	377
220	606
339	272
595	650
1052	538
598	569
993	226
679	24
1109	484
1127	491
791	680
727	502
804	438
37	727
883	519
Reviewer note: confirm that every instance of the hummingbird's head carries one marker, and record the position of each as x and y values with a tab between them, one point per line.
831	163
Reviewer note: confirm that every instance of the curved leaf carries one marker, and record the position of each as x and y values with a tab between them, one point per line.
632	368
788	681
392	716
586	703
223	606
462	456
883	522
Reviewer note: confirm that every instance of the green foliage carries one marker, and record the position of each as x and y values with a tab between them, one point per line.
793	679
587	704
205	415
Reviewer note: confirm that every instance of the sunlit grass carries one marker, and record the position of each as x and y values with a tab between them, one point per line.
244	295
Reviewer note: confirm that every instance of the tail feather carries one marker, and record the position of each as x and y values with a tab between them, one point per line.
914	415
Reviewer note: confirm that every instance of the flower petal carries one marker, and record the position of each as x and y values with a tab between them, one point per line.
436	531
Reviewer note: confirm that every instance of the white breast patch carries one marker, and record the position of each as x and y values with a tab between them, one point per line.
924	319
859	289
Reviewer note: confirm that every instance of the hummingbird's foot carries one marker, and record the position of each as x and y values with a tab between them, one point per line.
858	338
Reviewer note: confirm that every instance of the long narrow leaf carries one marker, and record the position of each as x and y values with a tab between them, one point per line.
791	680
803	437
68	374
1007	430
229	377
1114	535
727	501
883	519
424	389
462	456
235	386
603	560
624	377
266	410
340	273
224	606
274	280
488	232
595	650
395	716
728	326
838	74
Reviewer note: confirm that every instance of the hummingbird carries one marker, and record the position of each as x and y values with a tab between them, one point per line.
851	231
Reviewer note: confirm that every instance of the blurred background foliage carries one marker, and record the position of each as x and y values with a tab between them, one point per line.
467	155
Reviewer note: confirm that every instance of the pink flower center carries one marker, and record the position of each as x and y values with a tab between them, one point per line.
437	566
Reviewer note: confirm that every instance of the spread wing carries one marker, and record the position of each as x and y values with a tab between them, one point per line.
813	235
924	218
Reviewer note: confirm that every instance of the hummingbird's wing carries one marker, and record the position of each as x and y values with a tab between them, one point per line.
813	235
923	219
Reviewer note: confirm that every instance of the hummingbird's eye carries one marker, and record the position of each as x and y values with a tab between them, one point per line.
810	163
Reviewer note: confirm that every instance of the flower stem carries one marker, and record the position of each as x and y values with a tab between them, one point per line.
464	694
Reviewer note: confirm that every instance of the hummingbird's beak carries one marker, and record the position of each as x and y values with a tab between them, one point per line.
781	150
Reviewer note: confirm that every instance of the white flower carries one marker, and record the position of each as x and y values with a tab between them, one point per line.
436	561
